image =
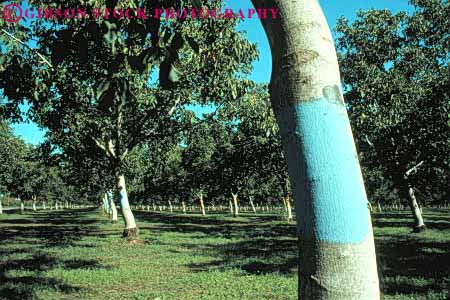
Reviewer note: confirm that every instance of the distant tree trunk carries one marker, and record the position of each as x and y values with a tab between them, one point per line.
22	206
337	254
284	206
288	209
106	208
252	204
1	206
231	207
183	204
34	203
170	206
112	208
202	205
131	230
235	205
419	225
379	206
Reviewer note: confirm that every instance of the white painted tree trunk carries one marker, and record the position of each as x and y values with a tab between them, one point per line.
202	205
22	207
253	205
170	206
419	225
231	207
235	205
56	205
105	203
131	230
1	206
34	204
337	254
288	209
284	206
183	204
112	209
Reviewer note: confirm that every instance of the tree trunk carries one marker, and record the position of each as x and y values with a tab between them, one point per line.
235	205
253	205
106	208
1	206
419	225
288	209
202	205
34	203
231	207
112	208
183	204
284	206
337	255
170	206
131	230
22	206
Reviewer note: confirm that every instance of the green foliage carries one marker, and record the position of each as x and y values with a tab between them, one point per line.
27	171
99	97
395	69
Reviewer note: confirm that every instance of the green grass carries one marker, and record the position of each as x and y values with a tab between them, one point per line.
79	255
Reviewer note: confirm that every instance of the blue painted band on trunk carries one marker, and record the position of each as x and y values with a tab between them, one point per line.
123	199
328	187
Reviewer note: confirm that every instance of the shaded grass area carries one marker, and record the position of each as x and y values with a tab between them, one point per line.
77	254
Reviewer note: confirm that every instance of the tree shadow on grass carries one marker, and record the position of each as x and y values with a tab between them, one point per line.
51	228
257	256
19	287
24	257
17	283
414	264
265	244
247	226
432	219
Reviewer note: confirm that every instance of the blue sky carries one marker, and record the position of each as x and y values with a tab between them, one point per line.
333	9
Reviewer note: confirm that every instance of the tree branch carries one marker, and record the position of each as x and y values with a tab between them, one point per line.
414	168
34	50
100	145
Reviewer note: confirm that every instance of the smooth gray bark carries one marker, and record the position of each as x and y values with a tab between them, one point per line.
235	205
252	205
305	68
131	229
419	225
183	204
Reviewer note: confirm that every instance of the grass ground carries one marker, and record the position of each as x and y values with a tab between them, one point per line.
78	255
